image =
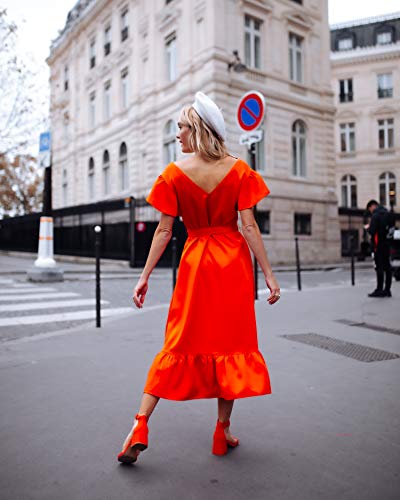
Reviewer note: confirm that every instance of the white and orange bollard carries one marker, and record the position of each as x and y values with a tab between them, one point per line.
45	267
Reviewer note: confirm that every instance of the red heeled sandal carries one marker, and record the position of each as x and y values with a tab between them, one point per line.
220	443
138	442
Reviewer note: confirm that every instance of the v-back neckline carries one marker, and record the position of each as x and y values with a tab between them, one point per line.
208	193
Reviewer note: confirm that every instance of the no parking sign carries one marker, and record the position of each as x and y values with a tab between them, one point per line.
250	115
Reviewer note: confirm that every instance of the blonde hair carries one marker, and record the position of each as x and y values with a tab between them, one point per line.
202	139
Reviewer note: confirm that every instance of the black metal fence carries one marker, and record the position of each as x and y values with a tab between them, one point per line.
127	230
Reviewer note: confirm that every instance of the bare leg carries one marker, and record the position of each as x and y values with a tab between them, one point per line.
225	407
148	403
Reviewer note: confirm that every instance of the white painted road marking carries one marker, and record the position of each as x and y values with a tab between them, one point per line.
33	306
37	296
60	317
6	291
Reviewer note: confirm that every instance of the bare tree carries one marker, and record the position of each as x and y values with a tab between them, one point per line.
23	114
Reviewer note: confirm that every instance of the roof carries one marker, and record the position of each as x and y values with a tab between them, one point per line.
365	20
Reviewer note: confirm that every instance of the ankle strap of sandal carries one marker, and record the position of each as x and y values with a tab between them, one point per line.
224	425
141	417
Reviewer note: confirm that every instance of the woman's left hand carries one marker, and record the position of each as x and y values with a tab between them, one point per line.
139	293
275	291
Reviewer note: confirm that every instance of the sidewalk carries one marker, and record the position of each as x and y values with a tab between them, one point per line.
329	431
19	262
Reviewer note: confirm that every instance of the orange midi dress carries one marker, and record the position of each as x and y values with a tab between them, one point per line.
211	347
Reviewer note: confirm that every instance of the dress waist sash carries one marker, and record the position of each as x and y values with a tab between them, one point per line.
210	230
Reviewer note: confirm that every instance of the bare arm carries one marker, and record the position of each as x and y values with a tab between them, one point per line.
161	238
252	234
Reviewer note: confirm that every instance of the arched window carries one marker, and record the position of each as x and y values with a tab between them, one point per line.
106	172
169	142
91	179
349	191
65	187
299	148
387	189
123	167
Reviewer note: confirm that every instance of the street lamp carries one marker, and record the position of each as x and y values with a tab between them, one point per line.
236	63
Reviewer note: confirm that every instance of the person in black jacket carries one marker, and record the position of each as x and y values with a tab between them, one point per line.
380	228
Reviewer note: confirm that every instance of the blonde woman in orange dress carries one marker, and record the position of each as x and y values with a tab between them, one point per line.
211	348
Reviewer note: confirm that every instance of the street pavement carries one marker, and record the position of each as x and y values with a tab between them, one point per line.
329	430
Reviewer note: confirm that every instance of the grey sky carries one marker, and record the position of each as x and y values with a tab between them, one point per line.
43	18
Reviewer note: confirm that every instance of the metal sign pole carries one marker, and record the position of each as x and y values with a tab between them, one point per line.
253	161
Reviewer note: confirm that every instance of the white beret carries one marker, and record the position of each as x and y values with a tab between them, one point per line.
210	113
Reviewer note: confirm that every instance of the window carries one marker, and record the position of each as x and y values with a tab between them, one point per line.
66	77
66	126
106	172
65	187
349	191
124	88
296	58
91	179
298	1
124	25
169	141
92	53
107	100
252	42
170	50
346	90
384	38
263	221
92	109
386	133
107	39
299	148
302	223
345	43
387	189
347	137
385	85
123	167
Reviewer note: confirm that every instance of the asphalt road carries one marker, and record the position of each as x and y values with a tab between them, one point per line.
28	309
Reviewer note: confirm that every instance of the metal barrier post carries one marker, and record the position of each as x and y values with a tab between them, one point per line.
97	230
174	262
298	264
352	260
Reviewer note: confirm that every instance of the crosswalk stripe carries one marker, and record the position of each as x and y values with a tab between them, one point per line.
26	285
60	317
6	291
37	296
33	306
5	281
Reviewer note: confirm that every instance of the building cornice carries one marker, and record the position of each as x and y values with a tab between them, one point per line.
367	20
366	54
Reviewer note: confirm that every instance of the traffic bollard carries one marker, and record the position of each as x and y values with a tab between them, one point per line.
298	264
352	261
97	246
174	262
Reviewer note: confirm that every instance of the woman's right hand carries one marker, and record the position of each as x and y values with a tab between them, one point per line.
139	293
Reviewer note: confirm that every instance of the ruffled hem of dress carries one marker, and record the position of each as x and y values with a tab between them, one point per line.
180	377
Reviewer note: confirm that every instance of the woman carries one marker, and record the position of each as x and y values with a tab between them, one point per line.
210	348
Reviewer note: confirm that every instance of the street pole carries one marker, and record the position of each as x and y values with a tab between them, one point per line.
45	268
97	247
298	264
132	217
174	262
253	164
352	260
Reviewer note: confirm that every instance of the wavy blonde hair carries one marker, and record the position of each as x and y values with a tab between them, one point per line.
202	139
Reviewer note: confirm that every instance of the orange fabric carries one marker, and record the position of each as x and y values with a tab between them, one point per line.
211	347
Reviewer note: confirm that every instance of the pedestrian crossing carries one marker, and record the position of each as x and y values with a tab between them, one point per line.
35	304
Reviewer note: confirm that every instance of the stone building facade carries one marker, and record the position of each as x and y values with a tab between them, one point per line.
122	70
365	60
